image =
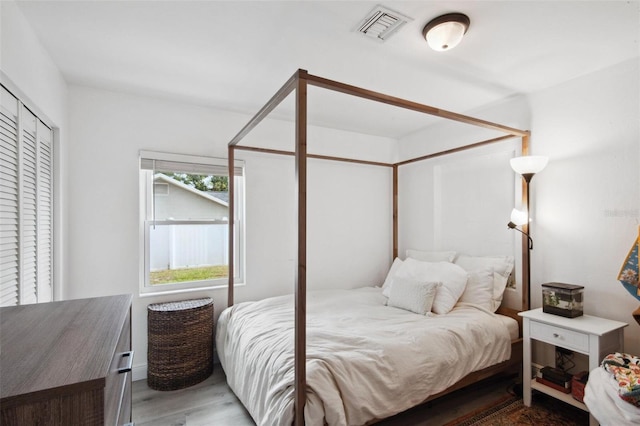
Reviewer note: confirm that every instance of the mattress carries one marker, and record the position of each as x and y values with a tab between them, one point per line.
365	360
511	325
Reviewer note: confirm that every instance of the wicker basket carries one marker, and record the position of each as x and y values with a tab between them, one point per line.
180	343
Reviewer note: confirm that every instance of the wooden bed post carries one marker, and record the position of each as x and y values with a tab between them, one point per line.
301	269
395	212
526	253
231	189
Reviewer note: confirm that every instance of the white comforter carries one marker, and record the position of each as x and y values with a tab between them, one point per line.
365	360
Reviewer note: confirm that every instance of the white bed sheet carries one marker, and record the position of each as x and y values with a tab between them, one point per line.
365	360
601	397
511	324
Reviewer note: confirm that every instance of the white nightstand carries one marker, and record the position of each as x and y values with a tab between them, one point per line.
589	335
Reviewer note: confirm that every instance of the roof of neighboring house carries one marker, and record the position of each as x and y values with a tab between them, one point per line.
224	196
207	195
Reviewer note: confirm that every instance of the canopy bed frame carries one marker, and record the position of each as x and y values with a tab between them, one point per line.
299	83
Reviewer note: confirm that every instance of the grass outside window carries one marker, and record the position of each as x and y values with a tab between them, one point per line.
169	276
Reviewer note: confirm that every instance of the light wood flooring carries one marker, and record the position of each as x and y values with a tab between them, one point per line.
213	403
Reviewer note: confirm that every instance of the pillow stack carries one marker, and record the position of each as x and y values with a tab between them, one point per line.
499	268
434	281
448	279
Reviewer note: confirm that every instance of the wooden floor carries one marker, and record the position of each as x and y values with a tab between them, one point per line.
213	403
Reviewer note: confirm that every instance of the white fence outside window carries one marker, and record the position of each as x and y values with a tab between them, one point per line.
184	245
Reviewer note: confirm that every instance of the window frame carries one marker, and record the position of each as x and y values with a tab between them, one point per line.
146	185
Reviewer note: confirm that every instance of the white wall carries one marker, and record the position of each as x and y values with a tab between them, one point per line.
29	72
443	134
459	202
29	66
462	201
109	128
588	198
585	204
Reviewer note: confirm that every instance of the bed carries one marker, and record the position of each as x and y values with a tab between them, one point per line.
402	358
372	352
604	403
301	358
605	390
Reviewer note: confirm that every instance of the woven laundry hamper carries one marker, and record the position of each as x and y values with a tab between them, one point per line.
180	343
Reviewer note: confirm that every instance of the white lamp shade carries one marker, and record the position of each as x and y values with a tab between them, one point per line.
445	36
518	217
530	164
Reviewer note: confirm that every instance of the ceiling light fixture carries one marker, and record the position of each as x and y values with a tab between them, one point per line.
445	32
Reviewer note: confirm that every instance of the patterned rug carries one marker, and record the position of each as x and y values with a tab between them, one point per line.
510	411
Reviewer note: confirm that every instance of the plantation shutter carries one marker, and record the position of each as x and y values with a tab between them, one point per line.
45	213
9	234
29	209
26	202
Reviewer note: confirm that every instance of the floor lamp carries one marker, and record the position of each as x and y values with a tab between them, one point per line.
527	167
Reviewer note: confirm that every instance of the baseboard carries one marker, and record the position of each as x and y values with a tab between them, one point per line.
139	372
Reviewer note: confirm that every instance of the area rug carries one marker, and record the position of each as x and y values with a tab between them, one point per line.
510	411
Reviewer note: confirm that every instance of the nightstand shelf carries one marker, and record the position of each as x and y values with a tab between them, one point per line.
565	397
588	335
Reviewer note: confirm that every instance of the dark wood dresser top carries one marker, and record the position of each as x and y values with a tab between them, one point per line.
59	344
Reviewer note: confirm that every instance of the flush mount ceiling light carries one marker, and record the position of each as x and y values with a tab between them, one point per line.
445	32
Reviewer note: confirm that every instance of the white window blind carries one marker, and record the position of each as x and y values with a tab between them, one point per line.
26	202
179	163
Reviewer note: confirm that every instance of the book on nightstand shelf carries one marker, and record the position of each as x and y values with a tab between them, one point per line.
552	385
555	378
555	375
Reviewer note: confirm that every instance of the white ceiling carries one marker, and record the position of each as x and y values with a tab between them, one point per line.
235	55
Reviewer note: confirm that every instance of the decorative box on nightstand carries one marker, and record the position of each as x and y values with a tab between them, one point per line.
562	299
592	336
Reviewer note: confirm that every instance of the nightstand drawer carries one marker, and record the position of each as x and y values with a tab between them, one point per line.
559	336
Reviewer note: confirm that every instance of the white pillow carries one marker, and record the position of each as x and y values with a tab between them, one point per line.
499	285
452	277
392	271
501	265
432	256
479	290
414	296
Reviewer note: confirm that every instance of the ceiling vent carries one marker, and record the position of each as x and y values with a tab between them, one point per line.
381	23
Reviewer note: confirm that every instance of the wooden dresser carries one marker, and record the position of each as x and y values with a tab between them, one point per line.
66	363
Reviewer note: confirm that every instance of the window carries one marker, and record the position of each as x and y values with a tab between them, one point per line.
185	221
26	205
